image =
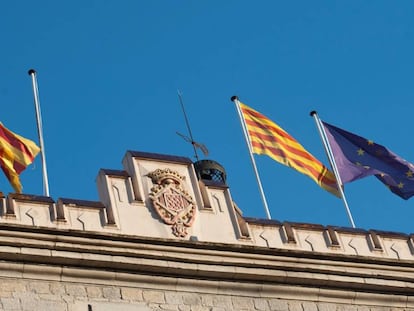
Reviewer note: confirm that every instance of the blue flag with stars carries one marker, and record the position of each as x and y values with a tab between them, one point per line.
357	157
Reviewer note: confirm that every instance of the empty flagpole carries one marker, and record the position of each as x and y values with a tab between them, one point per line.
331	159
32	73
235	100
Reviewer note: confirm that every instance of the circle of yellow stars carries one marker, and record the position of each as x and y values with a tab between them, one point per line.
361	152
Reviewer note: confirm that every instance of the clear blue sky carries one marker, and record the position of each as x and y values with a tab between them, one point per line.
108	74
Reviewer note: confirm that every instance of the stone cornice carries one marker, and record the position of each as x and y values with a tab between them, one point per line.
206	261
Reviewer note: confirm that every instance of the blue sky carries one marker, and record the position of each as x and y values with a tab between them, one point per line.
108	74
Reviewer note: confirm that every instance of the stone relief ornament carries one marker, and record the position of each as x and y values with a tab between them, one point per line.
173	204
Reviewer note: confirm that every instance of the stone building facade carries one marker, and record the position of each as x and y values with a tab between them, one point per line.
166	235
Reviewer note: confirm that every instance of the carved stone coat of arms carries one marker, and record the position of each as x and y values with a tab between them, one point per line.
172	203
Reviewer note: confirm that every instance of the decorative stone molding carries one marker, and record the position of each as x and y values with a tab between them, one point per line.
172	203
109	259
332	237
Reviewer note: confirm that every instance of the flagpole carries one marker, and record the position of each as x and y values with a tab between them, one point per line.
235	100
331	158
32	73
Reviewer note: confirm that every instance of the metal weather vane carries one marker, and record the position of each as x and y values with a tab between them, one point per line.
189	138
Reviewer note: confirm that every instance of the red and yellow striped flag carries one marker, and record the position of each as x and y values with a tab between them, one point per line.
268	138
16	153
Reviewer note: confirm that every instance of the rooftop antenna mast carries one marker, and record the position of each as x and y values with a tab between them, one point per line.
190	139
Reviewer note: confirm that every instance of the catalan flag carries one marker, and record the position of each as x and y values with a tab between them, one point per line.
268	138
357	157
16	153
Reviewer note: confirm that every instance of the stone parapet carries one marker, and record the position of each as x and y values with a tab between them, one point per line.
160	196
165	237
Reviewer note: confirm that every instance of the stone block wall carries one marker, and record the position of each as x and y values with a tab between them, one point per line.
29	295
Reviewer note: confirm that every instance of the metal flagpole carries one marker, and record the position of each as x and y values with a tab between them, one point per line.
32	73
331	158
235	99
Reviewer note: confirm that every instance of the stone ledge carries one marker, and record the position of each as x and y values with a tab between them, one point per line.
201	260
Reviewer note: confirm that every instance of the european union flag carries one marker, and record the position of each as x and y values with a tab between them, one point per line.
357	157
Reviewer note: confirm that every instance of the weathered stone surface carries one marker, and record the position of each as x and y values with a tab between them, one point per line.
94	292
111	293
191	299
10	304
295	306
56	288
153	296
173	298
222	301
346	308
199	308
43	305
133	294
39	287
168	307
261	304
7	285
76	290
278	305
240	303
326	306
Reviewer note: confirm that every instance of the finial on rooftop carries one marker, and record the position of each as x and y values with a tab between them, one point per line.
234	97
